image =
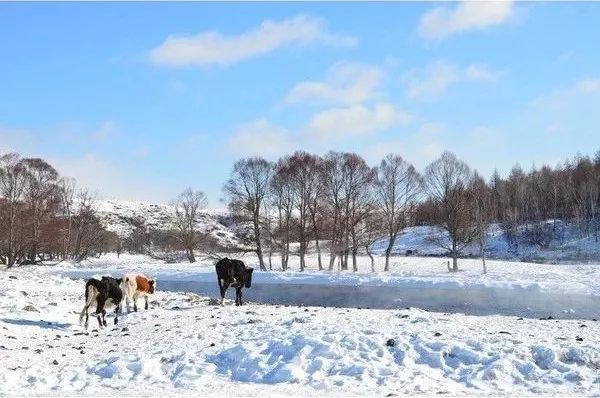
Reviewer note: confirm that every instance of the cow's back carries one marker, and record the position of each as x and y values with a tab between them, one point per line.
129	285
142	283
238	269
224	268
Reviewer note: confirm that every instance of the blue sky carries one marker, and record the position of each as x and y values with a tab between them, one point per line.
140	100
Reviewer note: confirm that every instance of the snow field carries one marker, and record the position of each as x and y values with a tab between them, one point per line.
186	345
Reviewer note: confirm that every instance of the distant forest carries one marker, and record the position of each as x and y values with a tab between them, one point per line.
335	205
340	200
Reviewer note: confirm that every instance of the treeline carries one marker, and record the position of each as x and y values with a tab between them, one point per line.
342	206
44	217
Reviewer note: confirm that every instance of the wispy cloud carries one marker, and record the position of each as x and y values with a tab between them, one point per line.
420	146
260	137
141	152
355	120
107	131
442	22
215	48
345	82
588	85
104	177
434	80
566	96
13	139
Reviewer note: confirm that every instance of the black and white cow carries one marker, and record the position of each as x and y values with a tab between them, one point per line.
104	292
235	274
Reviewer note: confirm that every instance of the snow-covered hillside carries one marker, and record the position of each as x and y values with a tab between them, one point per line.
571	247
185	345
122	217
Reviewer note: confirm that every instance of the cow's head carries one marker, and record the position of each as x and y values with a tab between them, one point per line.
152	285
248	277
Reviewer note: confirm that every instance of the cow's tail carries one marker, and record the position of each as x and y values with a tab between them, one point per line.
90	294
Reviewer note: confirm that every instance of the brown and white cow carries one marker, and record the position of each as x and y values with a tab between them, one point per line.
137	285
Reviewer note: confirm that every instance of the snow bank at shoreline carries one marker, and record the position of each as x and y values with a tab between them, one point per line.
184	345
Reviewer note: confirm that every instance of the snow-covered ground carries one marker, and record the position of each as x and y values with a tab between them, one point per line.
185	345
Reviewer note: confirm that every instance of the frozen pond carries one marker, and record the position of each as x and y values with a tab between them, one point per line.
471	300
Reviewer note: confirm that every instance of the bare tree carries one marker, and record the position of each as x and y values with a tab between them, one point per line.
346	182
89	235
482	213
304	170
333	179
282	199
187	207
371	229
67	195
247	189
360	204
398	186
13	177
448	180
42	199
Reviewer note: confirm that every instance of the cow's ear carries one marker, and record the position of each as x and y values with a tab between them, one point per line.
151	282
119	281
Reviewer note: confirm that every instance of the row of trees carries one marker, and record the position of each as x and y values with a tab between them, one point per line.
338	199
336	204
44	217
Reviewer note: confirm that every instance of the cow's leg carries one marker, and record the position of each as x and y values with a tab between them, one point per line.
135	302
127	304
117	310
85	314
220	289
100	310
146	305
224	291
238	296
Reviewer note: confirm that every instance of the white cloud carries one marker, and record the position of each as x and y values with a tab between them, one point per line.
588	85
568	96
554	129
106	132
101	176
215	48
442	22
141	151
260	137
481	73
418	147
355	120
13	139
196	138
346	83
434	80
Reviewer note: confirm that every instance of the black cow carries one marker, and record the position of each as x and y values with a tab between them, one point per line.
235	274
104	292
